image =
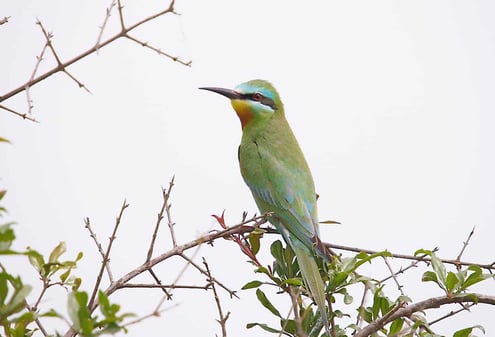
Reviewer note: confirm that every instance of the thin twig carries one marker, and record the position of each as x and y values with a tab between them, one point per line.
159	219
464	246
222	318
393	275
48	37
488	266
106	259
159	283
157	50
39	58
421	258
105	21
452	313
22	115
232	293
99	247
165	286
168	206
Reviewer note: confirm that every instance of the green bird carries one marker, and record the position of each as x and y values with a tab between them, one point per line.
275	170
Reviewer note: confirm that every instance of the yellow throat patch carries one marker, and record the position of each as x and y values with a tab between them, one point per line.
243	110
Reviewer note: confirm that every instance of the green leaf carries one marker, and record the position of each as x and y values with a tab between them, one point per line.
451	281
18	300
473	278
7	236
252	284
266	303
5	141
264	327
429	276
396	326
57	252
423	252
292	281
277	250
36	260
439	268
254	241
467	331
65	275
289	325
79	313
51	313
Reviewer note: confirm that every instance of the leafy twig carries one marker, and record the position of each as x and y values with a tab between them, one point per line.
410	309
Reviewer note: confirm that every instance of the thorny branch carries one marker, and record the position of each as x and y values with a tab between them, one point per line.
92	234
222	320
489	266
247	226
62	66
106	258
464	246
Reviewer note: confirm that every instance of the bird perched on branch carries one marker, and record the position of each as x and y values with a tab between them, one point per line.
275	170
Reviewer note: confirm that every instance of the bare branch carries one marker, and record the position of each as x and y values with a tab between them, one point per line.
105	21
421	258
99	247
159	283
165	286
222	318
204	272
62	66
39	58
489	266
106	259
22	115
48	37
159	219
393	275
464	246
168	206
159	51
452	313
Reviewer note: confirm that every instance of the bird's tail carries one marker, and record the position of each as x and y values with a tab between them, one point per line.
312	279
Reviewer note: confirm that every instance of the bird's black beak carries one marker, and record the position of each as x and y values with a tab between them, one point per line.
225	92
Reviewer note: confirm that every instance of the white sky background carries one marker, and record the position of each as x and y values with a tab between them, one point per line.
392	103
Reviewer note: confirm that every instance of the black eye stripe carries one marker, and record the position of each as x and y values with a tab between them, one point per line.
264	100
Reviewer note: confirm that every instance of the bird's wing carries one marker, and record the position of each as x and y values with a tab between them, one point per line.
286	189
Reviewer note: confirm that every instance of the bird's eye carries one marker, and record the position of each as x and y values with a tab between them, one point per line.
257	97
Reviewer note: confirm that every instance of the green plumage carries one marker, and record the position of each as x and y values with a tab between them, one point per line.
274	168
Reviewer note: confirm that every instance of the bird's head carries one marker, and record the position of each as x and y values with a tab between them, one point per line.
255	100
